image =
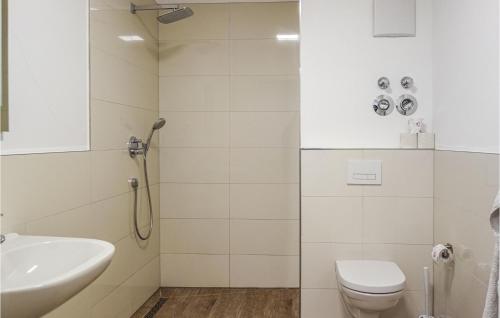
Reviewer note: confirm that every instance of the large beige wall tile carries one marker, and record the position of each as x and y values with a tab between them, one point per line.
79	222
113	124
322	303
194	236
134	255
204	201
143	210
195	165
116	80
264	20
324	172
108	25
144	283
318	262
110	172
404	173
265	201
265	129
398	220
481	173
264	57
131	294
465	184
467	232
410	258
194	93
264	271
261	165
265	93
194	57
191	270
411	305
332	219
265	237
86	194
34	186
208	22
195	129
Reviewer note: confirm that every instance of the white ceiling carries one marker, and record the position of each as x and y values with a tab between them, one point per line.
217	1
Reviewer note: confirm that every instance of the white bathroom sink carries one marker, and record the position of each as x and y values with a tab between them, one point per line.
40	273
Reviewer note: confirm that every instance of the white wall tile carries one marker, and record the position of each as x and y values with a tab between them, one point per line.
195	236
184	270
268	237
264	271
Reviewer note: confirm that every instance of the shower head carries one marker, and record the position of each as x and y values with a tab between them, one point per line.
175	15
159	124
156	126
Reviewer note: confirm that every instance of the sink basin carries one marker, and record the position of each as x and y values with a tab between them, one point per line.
40	273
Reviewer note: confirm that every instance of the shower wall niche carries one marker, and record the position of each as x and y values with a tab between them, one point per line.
229	158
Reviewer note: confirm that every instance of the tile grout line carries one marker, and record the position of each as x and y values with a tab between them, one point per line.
229	134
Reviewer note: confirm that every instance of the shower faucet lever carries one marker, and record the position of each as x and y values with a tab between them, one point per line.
135	146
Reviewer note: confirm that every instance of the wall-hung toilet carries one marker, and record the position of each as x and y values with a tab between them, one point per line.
369	287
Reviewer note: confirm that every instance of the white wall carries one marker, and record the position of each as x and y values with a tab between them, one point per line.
48	77
465	72
340	65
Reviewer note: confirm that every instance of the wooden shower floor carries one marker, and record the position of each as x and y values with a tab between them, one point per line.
223	303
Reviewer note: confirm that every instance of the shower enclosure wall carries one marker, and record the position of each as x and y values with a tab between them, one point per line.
229	152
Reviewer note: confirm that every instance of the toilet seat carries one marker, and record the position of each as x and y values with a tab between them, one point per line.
371	277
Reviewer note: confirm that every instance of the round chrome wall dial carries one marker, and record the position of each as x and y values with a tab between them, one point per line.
383	83
407	82
407	105
383	105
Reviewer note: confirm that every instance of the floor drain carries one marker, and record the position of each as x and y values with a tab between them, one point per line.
155	308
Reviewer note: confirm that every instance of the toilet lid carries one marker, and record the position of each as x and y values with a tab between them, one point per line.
374	277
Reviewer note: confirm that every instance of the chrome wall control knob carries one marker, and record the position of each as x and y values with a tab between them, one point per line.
407	82
135	146
383	105
407	105
383	83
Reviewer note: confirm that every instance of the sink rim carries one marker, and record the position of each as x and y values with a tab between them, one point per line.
103	257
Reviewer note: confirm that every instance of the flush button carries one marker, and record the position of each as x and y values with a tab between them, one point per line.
364	172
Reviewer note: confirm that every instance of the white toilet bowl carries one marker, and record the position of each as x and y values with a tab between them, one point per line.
369	287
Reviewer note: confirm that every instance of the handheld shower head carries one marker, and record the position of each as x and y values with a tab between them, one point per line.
156	126
159	124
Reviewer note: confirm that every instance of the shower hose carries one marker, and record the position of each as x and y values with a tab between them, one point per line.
135	186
